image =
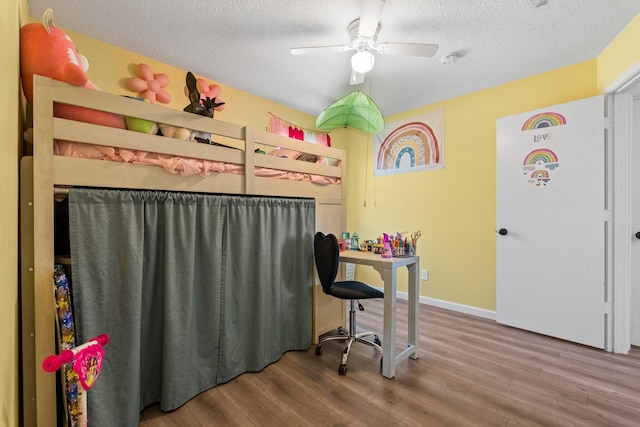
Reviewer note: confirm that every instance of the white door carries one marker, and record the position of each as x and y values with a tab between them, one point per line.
551	221
635	226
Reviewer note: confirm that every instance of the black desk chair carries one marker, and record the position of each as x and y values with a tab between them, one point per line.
326	252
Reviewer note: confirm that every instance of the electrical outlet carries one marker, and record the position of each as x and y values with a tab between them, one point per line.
424	274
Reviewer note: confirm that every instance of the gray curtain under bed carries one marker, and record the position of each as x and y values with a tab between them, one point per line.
192	289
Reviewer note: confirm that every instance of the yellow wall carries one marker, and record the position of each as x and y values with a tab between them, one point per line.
110	66
455	206
621	55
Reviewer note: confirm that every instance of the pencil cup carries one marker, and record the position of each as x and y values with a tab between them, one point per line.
411	250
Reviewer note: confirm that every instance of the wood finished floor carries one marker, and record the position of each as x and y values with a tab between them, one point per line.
471	372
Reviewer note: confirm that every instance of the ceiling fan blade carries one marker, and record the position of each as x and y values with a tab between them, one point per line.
319	49
408	49
370	17
356	78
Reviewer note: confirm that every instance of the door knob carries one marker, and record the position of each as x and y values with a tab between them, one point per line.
638	235
503	232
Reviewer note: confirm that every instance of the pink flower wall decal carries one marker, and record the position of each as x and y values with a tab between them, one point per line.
149	86
208	91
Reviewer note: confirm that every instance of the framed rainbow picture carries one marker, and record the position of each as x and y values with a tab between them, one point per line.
411	146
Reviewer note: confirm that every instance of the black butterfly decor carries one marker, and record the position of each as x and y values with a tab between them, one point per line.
201	107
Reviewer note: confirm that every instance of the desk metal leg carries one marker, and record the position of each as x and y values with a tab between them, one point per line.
389	329
414	302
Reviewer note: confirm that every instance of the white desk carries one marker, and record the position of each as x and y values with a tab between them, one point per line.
387	268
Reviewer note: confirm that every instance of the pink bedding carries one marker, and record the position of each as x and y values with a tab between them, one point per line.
182	165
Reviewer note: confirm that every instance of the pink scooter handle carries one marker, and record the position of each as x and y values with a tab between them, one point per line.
55	361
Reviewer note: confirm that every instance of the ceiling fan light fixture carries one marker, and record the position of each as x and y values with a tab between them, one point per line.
362	61
449	59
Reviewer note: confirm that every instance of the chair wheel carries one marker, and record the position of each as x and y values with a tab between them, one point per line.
376	340
342	370
318	350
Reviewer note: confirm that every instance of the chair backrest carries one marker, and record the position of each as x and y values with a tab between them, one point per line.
326	253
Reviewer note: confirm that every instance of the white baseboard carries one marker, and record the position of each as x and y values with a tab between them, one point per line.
461	308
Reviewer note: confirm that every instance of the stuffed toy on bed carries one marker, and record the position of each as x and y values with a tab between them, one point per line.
48	51
203	107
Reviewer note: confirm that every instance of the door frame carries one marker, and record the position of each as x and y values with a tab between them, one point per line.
620	110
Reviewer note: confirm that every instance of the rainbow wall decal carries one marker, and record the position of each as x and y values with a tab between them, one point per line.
542	157
544	120
536	164
407	146
539	177
542	174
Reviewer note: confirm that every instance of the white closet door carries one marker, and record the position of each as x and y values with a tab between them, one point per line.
551	205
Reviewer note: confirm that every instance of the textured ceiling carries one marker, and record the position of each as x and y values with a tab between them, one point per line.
246	44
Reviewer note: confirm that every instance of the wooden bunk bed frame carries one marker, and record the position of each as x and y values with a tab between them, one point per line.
44	171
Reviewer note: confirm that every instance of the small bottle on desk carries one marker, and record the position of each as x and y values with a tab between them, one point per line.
387	251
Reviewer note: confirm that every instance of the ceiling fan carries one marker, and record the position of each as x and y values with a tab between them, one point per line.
363	33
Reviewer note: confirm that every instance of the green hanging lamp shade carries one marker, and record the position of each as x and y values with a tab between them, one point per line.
356	110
